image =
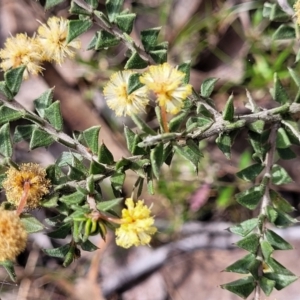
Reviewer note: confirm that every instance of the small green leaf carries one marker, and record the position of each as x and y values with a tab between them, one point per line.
276	241
249	243
59	252
105	40
156	158
207	87
142	125
250	198
188	154
13	79
282	140
23	133
77	10
284	32
96	168
280	203
198	122
134	83
281	281
5	90
9	267
176	121
77	27
108	205
60	233
53	114
52	3
125	22
186	69
224	143
266	249
88	246
295	76
40	138
75	198
284	220
242	287
135	62
44	101
105	156
228	112
70	256
250	173
6	148
159	56
149	37
50	202
286	153
279	93
91	137
257	126
31	224
280	176
7	114
242	266
130	138
266	285
245	227
113	8
67	158
272	213
117	181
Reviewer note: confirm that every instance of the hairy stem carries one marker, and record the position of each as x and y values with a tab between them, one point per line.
269	160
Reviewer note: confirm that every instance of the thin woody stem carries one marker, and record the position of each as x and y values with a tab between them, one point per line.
24	198
164	119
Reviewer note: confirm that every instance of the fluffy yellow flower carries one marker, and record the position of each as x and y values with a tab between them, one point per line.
297	11
166	83
21	50
13	236
31	175
53	40
136	225
115	93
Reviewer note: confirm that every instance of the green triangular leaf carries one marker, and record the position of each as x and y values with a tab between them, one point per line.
43	101
266	285
105	156
108	205
13	79
105	40
249	243
31	224
60	233
23	132
242	266
276	241
279	93
280	203
228	112
284	32
135	62
53	115
9	267
52	3
250	173
149	37
113	8
242	287
207	87
7	114
125	22
280	176
6	148
245	227
250	198
91	137
59	252
156	158
77	27
40	138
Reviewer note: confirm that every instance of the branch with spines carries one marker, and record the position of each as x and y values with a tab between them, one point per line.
124	38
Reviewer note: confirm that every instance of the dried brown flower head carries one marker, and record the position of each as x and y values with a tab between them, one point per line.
29	182
13	236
